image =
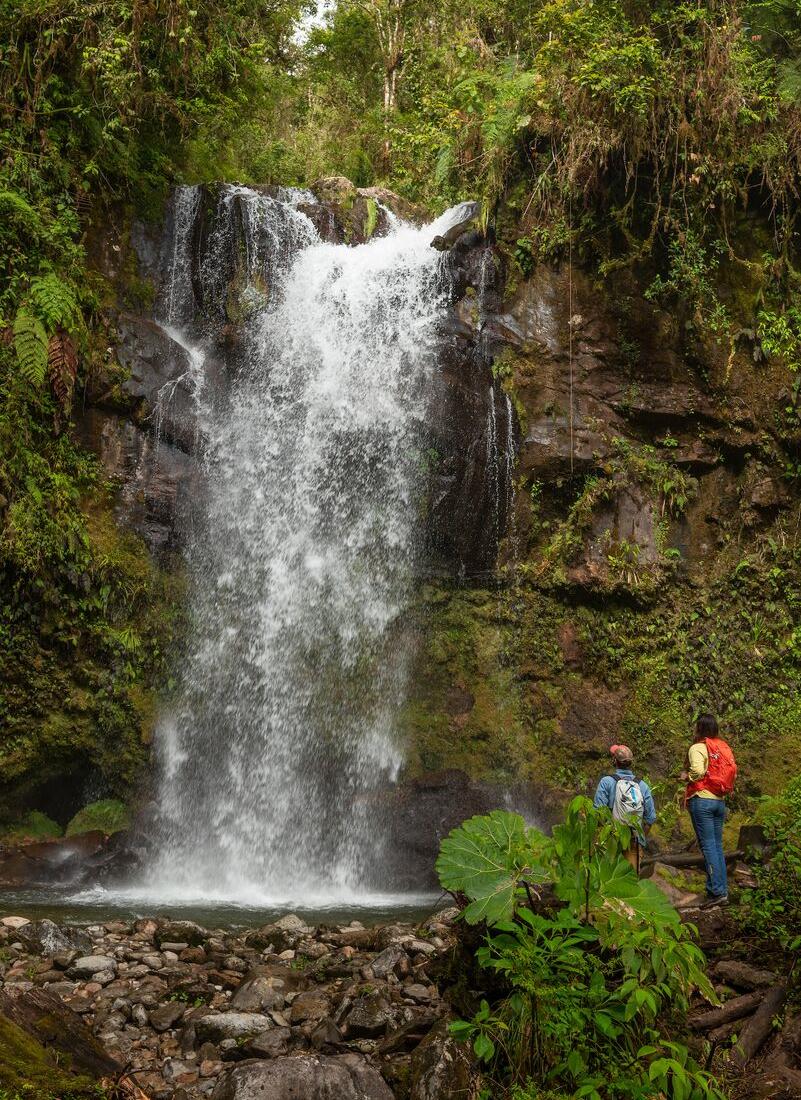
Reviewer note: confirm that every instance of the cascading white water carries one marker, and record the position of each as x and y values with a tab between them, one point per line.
284	724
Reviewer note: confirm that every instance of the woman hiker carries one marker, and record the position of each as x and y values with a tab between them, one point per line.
629	799
710	776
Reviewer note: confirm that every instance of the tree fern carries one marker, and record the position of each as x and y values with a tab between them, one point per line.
54	301
30	342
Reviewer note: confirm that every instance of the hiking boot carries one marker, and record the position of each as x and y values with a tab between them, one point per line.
712	902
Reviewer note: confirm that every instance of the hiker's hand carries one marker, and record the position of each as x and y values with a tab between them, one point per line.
683	776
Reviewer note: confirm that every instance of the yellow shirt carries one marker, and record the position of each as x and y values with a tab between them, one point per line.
698	757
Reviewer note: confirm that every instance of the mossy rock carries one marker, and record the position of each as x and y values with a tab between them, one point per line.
106	816
28	1070
33	826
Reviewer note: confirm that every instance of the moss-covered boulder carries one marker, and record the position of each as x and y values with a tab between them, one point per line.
108	816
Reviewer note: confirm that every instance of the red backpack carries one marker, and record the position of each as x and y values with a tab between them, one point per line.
722	771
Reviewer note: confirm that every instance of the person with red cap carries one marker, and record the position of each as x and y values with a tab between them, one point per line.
630	800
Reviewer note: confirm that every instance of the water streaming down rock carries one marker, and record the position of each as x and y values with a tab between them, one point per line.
302	560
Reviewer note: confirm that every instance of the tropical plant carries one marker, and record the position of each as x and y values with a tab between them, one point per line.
592	960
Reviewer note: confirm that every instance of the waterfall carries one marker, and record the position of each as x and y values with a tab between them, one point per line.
283	728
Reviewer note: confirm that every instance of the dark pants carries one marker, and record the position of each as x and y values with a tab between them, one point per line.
708	815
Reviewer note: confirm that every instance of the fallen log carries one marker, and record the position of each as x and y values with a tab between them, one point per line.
734	1009
743	975
724	1032
759	1026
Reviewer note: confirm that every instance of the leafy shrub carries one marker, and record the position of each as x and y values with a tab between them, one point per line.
773	908
588	975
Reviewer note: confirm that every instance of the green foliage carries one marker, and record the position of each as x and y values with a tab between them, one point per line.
30	343
587	985
106	816
772	910
33	826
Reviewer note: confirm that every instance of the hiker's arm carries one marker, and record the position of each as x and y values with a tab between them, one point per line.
601	794
698	759
649	809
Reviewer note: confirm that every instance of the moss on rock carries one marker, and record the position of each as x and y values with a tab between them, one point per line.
106	816
28	1070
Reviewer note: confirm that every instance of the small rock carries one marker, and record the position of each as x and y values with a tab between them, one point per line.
369	1017
166	1016
88	965
193	955
326	1036
421	994
14	922
176	947
180	931
422	947
270	1044
218	1027
259	993
210	1069
234	963
387	962
312	1005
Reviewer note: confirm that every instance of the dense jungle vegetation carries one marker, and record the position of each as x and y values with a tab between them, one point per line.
661	138
657	138
653	137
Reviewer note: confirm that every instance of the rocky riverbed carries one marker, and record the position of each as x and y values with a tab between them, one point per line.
177	1010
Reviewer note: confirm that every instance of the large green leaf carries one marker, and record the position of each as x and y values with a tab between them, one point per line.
485	859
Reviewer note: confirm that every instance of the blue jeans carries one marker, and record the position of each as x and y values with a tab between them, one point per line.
708	815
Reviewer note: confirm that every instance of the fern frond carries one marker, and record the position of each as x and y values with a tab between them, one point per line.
62	362
16	208
30	342
54	301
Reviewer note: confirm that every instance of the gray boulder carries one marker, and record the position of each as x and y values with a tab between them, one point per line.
270	1044
180	931
442	1067
369	1017
341	1077
45	937
257	993
89	965
231	1025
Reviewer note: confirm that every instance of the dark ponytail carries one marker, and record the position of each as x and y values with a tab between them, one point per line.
706	725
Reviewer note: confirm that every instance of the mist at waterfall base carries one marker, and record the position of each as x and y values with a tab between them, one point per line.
282	736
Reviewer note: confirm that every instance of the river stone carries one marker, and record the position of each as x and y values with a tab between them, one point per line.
231	1025
442	1068
258	993
312	1005
387	962
270	1044
167	1015
45	937
369	1017
180	931
283	934
89	965
341	1077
